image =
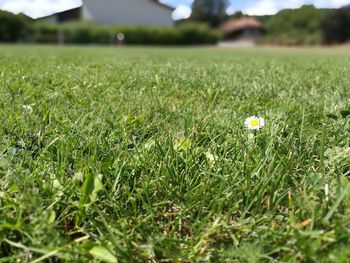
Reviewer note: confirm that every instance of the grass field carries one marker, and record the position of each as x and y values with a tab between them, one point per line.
141	154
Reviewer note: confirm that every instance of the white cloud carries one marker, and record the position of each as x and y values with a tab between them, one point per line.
271	7
38	8
231	10
331	3
263	7
182	12
339	3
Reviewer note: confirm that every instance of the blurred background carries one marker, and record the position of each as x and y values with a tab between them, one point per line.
176	22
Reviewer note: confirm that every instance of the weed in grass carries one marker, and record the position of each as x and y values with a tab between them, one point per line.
141	154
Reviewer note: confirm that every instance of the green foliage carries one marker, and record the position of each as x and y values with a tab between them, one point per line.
194	33
236	15
212	12
45	33
92	33
296	26
336	26
85	33
13	27
141	155
103	254
183	34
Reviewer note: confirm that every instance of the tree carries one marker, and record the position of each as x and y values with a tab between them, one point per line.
336	26
212	12
12	27
236	15
296	26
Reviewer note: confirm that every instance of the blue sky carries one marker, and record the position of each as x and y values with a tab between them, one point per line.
37	8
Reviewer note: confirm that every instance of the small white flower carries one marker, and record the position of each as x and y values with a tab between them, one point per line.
28	108
254	123
211	158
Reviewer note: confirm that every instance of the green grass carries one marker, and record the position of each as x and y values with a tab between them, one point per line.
140	154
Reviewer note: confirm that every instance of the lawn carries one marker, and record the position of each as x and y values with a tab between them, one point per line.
141	154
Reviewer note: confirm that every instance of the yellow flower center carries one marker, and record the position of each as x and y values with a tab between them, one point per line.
254	122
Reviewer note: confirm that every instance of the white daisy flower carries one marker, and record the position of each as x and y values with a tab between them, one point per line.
254	123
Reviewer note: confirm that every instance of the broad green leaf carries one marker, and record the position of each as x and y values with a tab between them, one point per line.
87	189
345	113
102	253
91	186
183	144
98	186
13	188
52	217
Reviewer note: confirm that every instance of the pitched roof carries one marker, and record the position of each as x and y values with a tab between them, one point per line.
75	8
164	5
74	12
239	24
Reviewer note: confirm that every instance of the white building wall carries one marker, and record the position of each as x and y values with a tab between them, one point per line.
127	12
49	19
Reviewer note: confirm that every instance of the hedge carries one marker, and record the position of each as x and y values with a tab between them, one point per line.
92	33
13	27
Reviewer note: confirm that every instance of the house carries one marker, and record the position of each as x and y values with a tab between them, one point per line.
245	28
111	12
